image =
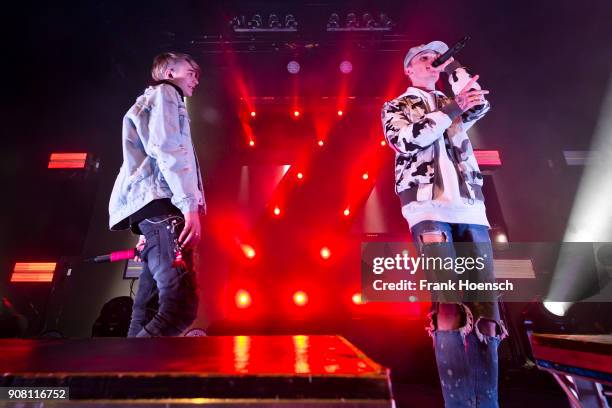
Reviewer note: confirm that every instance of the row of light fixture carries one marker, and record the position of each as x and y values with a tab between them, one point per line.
275	23
243	298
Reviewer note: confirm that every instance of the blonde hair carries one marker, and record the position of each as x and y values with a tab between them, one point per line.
167	60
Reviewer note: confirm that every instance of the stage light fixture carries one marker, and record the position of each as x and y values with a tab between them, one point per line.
340	113
346	67
300	175
242	299
255	22
248	251
351	21
368	21
251	143
291	22
300	298
325	253
296	113
365	176
274	21
347	212
33	272
253	114
334	21
320	143
293	67
277	211
67	161
383	143
357	299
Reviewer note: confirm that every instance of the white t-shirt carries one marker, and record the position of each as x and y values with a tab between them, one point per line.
447	205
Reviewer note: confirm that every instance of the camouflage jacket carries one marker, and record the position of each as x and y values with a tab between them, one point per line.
412	127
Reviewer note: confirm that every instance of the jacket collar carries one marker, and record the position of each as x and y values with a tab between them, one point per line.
419	92
165	81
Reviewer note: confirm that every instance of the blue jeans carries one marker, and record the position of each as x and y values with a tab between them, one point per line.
466	358
167	301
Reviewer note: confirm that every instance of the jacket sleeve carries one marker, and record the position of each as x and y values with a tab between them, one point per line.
172	150
458	77
405	136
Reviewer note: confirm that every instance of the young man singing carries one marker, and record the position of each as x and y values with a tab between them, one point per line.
440	188
159	194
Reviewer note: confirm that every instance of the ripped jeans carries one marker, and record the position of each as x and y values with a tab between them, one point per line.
466	357
166	302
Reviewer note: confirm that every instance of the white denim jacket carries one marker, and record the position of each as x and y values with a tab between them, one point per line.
159	160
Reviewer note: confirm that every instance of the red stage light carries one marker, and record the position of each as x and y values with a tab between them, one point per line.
347	212
383	143
248	251
251	143
325	253
300	175
67	161
296	113
365	176
277	211
300	298
253	114
357	299
320	143
488	157
340	113
33	272
243	299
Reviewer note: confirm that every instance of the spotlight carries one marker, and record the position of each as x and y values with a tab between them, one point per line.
253	114
385	21
557	308
320	143
293	67
243	299
334	21
383	143
277	211
300	298
340	113
255	22
296	113
248	251
291	22
300	175
347	212
274	22
351	21
251	143
346	67
325	253
357	299
365	176
501	237
368	21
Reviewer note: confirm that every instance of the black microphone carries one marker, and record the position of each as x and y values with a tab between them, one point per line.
451	52
115	256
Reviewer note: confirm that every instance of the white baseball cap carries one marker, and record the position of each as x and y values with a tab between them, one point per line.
436	46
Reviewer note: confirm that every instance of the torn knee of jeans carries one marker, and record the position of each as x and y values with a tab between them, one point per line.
500	330
433	237
466	325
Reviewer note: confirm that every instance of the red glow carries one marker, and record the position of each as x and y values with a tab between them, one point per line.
253	114
277	211
67	161
300	298
243	299
248	251
357	299
488	157
251	143
300	176
33	272
365	176
296	113
347	212
383	143
340	113
320	143
325	253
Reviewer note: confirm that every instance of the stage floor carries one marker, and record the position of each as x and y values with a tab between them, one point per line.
219	370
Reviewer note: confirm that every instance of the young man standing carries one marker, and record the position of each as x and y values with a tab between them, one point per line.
159	194
440	189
